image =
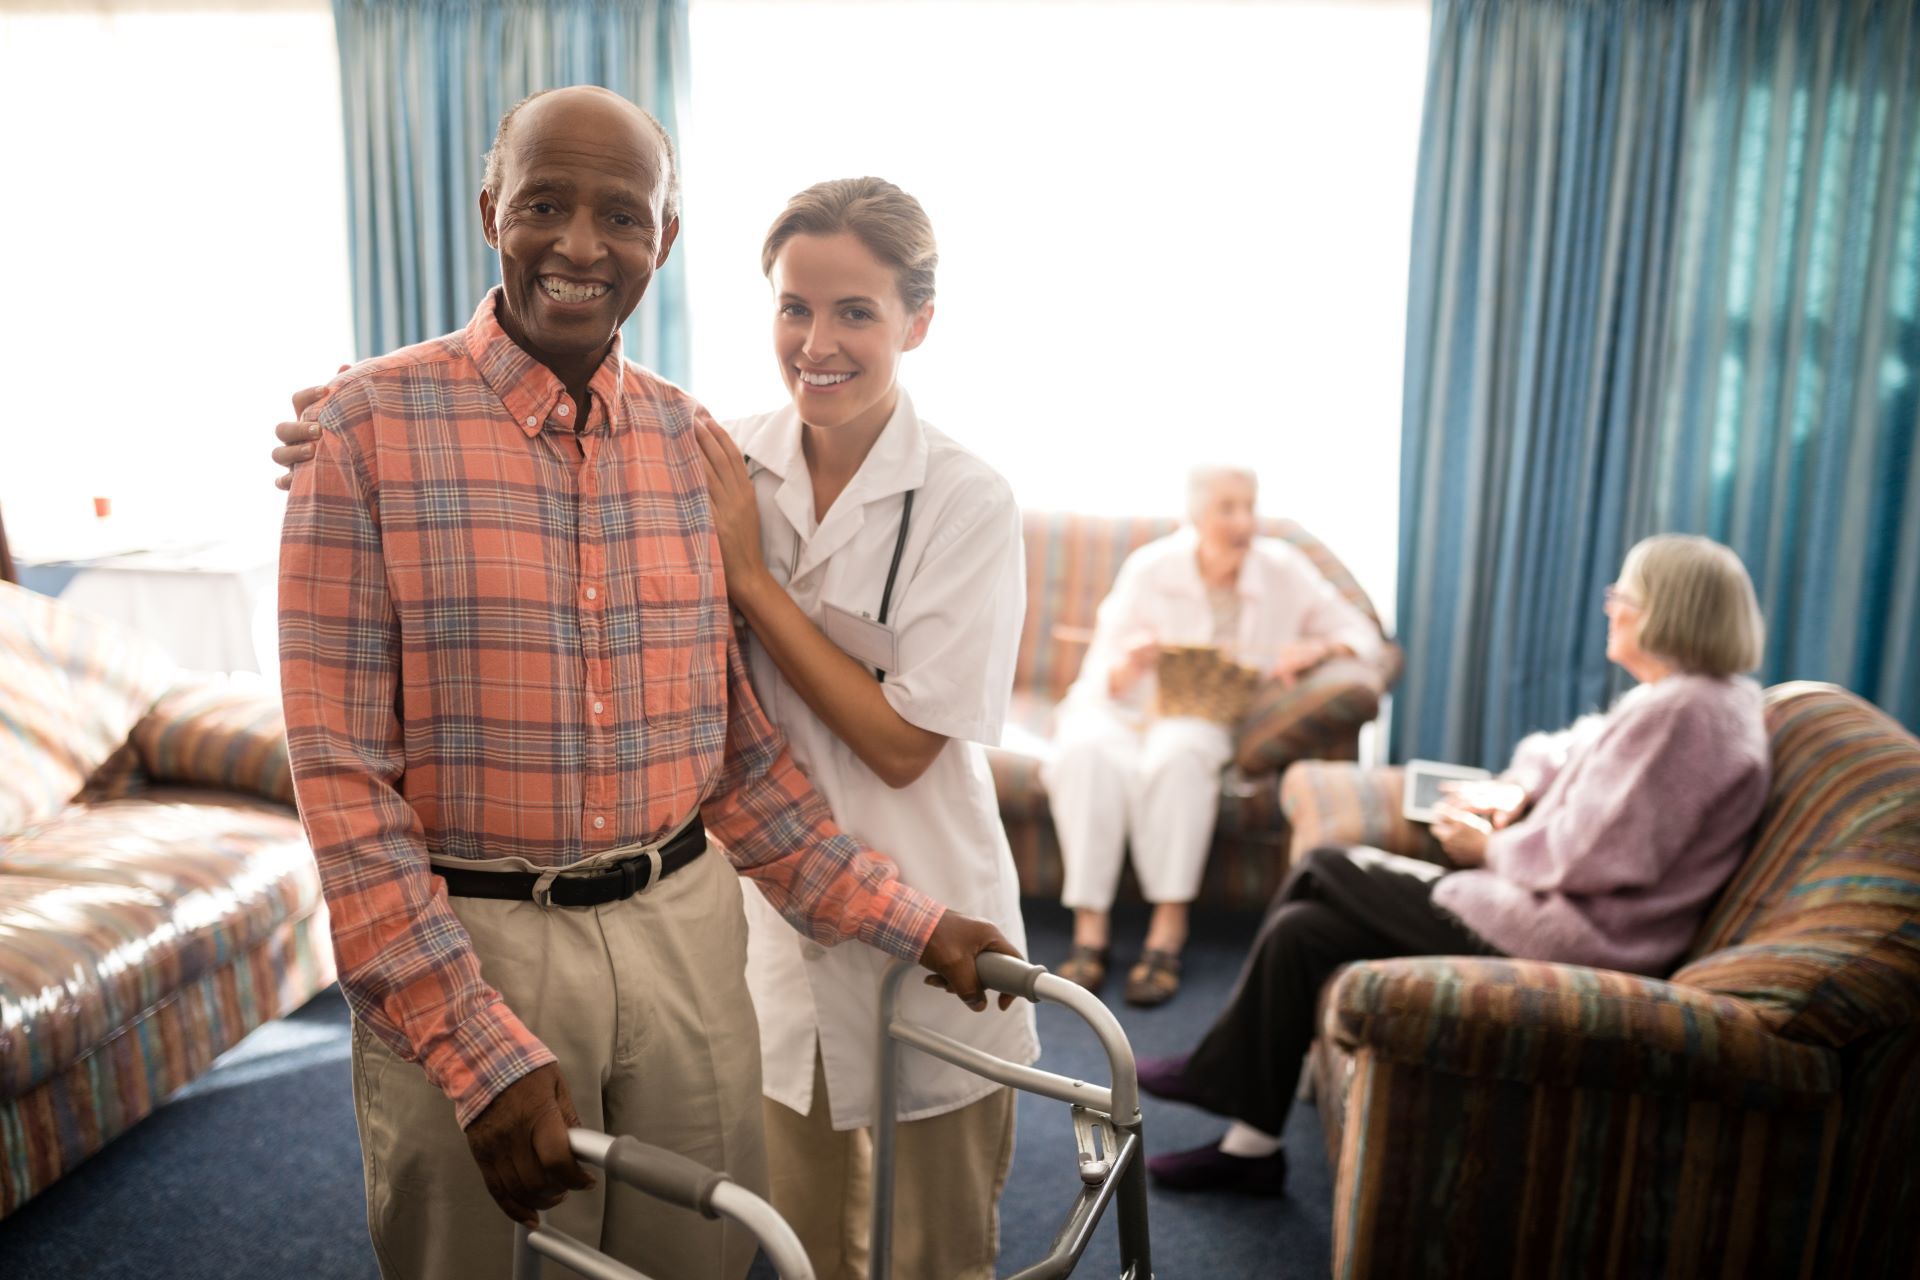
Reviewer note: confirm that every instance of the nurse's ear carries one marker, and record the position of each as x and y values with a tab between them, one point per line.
917	326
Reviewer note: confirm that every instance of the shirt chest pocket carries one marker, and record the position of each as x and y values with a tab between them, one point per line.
683	645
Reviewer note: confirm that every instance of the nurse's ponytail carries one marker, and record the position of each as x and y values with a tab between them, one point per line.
888	221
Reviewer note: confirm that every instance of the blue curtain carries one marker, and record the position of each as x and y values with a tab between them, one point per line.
423	84
1665	275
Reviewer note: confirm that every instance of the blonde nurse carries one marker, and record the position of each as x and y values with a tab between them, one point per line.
878	568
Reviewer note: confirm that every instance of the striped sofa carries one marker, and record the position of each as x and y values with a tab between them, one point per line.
157	899
1756	1114
1072	561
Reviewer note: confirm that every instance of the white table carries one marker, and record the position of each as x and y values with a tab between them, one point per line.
212	607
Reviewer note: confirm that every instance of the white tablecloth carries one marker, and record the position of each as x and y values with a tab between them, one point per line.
211	608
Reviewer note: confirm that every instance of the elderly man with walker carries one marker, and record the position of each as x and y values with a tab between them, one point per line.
514	701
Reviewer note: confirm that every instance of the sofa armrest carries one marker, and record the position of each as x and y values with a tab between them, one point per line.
1319	718
211	731
1332	802
1565	1025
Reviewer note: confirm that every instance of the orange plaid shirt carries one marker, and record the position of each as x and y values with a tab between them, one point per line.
502	637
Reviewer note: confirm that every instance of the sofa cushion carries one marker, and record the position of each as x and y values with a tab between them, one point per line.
1556	1025
1317	717
71	688
1820	926
1843	772
223	732
109	908
1340	803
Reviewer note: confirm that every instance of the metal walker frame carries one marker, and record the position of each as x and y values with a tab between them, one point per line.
668	1176
1106	1121
1106	1128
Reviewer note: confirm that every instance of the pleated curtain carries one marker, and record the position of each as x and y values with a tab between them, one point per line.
1665	273
423	86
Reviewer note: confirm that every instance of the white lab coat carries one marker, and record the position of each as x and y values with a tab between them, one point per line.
1158	591
956	611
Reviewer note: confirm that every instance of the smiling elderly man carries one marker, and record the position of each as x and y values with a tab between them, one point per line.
512	697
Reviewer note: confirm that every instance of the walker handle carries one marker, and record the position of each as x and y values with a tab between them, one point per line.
1011	974
667	1175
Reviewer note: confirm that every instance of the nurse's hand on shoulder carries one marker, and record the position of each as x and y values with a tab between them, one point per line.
957	940
736	512
296	438
520	1143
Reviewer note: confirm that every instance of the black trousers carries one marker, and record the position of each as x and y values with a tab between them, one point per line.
1339	905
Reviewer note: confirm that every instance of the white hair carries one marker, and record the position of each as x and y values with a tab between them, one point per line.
1202	479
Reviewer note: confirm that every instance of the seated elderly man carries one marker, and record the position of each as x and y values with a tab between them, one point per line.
1123	775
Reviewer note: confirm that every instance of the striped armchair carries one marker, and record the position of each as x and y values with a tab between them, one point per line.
1071	563
1756	1114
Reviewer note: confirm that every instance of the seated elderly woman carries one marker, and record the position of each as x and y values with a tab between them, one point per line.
1602	845
1122	775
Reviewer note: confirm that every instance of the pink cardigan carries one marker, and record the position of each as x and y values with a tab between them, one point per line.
1640	817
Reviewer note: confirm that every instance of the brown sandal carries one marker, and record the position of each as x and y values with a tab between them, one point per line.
1154	980
1086	966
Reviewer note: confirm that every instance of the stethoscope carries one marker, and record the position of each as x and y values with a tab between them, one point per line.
893	567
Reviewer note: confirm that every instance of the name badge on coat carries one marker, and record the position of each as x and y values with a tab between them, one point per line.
872	643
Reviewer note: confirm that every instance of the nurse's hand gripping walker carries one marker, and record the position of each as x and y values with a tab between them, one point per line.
1106	1122
670	1177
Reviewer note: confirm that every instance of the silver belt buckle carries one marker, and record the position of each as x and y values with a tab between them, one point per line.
653	870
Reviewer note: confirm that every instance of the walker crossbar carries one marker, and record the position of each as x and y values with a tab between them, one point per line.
668	1176
1106	1120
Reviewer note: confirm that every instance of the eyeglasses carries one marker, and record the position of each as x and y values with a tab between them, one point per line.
1617	596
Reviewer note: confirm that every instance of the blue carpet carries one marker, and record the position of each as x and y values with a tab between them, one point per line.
254	1170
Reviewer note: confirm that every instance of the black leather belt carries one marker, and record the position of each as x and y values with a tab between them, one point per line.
589	888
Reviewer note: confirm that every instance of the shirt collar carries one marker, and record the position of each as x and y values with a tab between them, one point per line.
528	389
896	463
1187	538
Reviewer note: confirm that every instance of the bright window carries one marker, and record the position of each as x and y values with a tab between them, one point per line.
1169	232
177	261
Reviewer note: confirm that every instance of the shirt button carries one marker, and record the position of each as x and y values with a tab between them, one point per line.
599	823
593	593
598	707
532	421
564	411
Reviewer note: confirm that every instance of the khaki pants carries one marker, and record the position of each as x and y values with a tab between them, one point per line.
645	1004
948	1174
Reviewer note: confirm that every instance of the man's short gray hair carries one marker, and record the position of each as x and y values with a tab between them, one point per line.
495	159
1202	479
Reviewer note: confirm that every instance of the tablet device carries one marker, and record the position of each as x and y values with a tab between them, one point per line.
1424	778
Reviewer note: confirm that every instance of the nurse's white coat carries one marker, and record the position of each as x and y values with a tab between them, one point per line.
956	613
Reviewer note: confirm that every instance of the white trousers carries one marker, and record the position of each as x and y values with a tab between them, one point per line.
1113	781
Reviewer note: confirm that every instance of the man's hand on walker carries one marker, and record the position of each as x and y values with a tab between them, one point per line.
520	1143
950	953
